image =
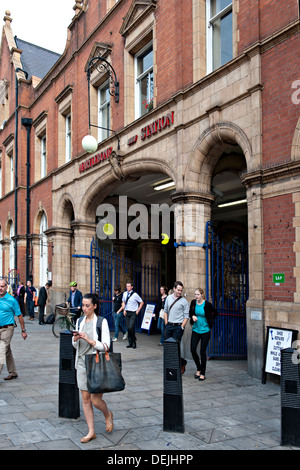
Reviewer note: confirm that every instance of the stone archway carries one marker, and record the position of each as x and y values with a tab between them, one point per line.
206	153
295	150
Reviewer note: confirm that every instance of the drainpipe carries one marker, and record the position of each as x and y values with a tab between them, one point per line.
18	69
26	122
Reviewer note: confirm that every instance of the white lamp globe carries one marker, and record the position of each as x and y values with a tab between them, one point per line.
89	144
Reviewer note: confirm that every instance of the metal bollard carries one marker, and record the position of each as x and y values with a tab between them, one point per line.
290	398
173	399
68	391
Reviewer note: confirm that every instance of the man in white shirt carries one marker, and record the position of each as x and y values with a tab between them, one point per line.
131	306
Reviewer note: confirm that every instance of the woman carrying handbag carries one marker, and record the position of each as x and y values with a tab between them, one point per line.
86	341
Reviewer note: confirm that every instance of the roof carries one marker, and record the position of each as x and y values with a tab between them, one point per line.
36	60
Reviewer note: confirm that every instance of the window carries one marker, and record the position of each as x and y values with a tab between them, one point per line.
68	138
43	157
104	111
219	33
144	81
11	171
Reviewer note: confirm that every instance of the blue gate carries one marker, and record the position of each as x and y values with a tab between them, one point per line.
108	269
227	288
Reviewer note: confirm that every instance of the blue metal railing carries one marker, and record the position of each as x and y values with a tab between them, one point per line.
109	269
227	288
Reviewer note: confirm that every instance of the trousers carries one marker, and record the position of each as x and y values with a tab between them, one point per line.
117	319
6	355
196	337
130	323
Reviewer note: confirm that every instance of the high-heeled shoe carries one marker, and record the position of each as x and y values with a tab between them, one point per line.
109	422
87	438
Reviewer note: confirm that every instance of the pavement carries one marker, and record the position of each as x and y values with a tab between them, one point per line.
228	411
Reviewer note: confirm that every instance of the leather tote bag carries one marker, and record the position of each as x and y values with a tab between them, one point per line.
103	371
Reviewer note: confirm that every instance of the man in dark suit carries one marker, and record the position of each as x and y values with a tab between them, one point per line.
75	299
42	300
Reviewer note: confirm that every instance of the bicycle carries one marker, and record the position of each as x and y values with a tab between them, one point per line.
64	321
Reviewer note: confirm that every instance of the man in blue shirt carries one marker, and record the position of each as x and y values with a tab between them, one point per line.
9	308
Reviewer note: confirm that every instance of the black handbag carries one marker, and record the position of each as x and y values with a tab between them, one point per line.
103	371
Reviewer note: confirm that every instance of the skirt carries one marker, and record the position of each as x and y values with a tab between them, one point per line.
81	374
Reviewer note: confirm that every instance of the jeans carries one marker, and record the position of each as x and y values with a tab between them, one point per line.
130	323
161	327
117	319
196	337
30	308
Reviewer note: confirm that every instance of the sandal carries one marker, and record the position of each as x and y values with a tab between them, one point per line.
109	422
202	377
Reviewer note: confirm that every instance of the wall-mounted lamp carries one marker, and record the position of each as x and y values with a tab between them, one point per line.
89	143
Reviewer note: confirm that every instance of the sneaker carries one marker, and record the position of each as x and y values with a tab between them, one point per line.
115	339
125	336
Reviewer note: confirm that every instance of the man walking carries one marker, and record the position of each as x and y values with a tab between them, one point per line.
176	316
9	308
131	306
42	300
117	299
30	294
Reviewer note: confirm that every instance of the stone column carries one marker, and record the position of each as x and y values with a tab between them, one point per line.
61	263
84	232
192	211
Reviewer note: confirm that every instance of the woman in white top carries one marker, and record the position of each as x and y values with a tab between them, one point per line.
86	341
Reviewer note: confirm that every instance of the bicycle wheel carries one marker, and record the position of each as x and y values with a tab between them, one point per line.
60	324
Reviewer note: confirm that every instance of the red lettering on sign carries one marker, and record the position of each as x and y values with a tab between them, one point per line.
95	159
157	126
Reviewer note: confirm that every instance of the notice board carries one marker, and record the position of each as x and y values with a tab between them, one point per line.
277	339
148	315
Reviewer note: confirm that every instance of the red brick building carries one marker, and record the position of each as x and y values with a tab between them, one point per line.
209	96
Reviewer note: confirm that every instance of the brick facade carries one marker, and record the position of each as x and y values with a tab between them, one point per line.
239	119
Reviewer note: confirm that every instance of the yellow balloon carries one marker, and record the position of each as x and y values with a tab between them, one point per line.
108	229
165	239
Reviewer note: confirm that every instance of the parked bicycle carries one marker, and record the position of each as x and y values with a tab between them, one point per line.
64	320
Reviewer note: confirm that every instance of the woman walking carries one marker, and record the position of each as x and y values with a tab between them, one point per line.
87	340
202	316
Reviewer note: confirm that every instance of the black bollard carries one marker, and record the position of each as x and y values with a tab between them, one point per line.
173	399
290	398
68	391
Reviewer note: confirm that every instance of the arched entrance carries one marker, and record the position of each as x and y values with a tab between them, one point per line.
222	153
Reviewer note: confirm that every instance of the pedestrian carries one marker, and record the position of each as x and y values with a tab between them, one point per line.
9	308
30	293
202	316
21	297
42	300
159	311
75	300
87	340
176	316
117	299
131	306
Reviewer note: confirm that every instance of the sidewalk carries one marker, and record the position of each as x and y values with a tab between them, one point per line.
228	411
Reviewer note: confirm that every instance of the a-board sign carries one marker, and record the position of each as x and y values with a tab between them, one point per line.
277	339
148	315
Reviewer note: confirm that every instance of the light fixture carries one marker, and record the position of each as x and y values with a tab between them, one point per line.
164	186
89	144
233	203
